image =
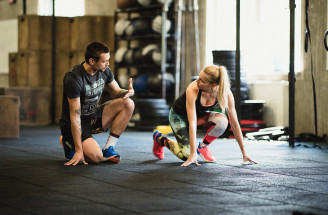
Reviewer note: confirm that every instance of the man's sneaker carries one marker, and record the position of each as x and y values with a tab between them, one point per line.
111	155
205	153
158	149
68	149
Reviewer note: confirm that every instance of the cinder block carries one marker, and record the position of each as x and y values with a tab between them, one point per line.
35	104
9	116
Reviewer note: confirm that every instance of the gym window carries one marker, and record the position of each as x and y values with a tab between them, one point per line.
62	8
264	35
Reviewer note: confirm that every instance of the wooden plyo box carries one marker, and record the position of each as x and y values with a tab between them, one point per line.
59	104
30	68
76	58
17	71
34	104
87	29
34	68
9	116
35	33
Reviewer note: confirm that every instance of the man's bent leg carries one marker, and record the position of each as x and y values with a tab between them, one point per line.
117	113
92	151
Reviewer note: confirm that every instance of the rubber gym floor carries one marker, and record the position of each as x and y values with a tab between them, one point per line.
34	180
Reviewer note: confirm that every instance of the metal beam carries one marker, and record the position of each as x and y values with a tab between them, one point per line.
53	66
237	81
291	76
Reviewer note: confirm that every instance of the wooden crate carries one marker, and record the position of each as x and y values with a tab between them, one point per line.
35	33
35	104
9	115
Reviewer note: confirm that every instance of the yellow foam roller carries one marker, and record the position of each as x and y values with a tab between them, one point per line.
164	129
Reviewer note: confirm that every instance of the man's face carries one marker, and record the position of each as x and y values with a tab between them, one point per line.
102	63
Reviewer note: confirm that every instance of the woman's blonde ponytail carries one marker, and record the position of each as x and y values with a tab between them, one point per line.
224	87
219	75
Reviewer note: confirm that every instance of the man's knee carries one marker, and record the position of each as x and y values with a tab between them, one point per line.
129	104
95	157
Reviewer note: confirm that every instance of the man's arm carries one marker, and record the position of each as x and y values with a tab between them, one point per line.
75	117
116	92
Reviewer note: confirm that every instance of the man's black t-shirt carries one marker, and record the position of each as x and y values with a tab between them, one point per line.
78	83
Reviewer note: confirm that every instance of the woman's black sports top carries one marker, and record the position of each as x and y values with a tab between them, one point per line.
179	106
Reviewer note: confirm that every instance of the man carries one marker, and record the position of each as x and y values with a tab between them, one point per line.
82	116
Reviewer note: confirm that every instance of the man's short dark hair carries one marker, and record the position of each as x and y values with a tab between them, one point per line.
94	50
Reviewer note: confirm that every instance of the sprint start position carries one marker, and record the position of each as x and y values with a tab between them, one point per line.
82	115
192	110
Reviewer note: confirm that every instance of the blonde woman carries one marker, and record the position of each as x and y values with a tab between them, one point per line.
193	110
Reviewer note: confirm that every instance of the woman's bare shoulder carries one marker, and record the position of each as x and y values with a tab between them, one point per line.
192	87
192	91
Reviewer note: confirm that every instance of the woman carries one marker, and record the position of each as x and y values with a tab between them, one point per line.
192	110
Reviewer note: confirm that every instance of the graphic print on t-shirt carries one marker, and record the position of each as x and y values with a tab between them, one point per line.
92	95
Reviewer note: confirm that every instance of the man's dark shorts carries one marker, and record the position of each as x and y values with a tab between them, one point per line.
90	125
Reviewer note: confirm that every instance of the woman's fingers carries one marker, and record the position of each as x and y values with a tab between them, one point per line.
187	163
249	160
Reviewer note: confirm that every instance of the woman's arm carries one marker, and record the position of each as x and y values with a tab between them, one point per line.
191	94
75	117
236	128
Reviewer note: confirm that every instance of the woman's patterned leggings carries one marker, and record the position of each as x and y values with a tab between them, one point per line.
214	123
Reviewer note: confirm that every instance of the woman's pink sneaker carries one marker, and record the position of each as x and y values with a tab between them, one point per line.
206	153
158	149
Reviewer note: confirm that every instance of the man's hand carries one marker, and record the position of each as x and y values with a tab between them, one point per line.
192	159
78	156
130	90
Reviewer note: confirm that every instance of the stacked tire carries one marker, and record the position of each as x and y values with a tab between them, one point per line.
228	59
252	109
153	112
